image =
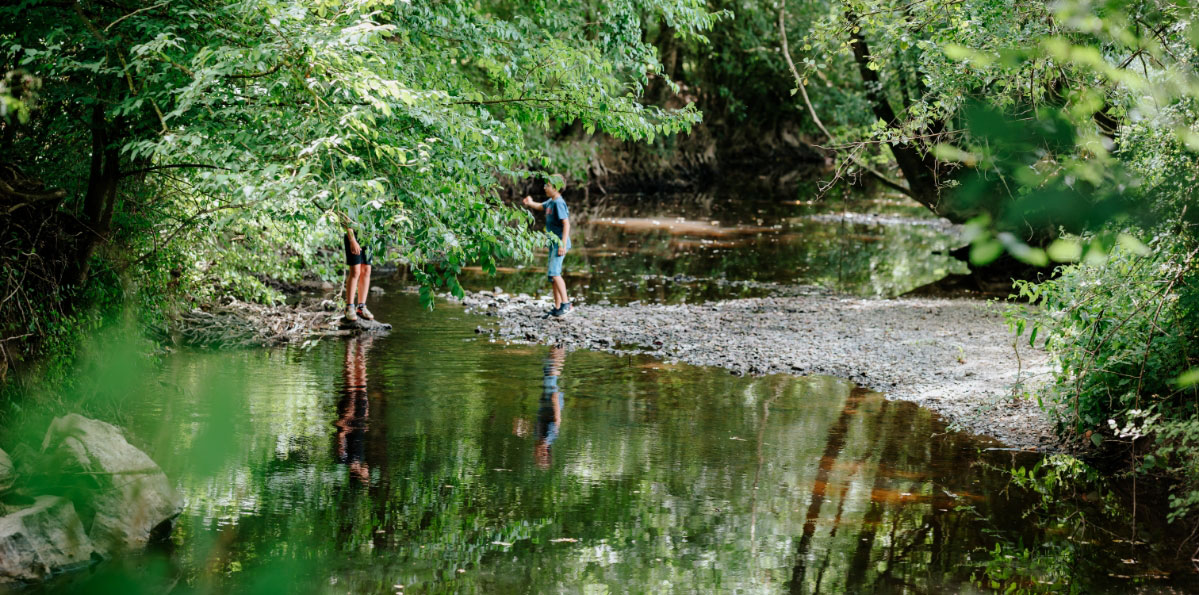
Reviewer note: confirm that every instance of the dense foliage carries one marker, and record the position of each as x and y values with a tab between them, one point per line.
1008	114
1062	132
201	146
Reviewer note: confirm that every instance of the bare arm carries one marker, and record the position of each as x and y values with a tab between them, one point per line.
532	204
565	237
345	223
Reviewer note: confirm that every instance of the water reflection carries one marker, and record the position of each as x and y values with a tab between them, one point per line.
549	412
689	247
668	478
353	411
548	421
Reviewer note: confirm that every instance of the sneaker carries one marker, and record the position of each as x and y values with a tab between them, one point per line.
364	312
564	310
551	312
350	315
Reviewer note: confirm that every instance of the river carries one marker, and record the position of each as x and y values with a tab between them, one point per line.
434	460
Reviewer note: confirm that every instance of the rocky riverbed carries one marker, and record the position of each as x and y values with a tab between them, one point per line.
955	357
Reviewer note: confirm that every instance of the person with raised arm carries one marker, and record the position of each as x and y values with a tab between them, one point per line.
557	222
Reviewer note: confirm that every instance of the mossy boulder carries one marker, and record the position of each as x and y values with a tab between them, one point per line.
42	539
121	494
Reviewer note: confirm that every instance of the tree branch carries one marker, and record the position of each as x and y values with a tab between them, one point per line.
140	10
144	170
816	118
8	190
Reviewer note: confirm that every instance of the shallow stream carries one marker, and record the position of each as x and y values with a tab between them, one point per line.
723	244
431	460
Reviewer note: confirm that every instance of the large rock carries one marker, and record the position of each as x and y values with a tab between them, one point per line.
122	496
8	474
364	325
38	541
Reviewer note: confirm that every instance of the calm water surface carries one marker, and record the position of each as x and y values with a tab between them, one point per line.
431	461
730	243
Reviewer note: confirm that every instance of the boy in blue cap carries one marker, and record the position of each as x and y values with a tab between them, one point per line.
557	222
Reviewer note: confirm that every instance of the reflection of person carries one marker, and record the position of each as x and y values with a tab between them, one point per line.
549	414
358	275
557	222
353	411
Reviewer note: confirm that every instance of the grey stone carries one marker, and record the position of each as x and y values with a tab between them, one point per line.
364	325
38	541
8	473
122	496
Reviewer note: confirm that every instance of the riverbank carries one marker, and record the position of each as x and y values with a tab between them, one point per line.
232	323
952	356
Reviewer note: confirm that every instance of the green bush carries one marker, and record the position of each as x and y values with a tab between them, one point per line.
1122	333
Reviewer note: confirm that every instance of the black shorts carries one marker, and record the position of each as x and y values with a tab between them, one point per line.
363	257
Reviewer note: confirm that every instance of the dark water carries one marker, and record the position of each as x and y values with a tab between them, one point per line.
725	243
437	461
430	460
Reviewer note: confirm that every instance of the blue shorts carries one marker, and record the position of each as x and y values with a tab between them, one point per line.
555	266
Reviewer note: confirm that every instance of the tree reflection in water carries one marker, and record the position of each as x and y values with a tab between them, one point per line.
670	478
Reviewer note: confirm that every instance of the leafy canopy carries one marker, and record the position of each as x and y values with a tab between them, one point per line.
258	125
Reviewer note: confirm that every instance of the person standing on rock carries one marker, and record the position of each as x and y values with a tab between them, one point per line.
557	222
358	274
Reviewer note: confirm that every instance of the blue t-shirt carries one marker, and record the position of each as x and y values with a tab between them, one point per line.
555	213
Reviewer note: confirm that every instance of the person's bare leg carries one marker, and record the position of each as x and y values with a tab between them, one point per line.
364	283
351	283
554	288
560	291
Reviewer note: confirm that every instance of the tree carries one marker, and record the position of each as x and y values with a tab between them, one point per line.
231	135
968	96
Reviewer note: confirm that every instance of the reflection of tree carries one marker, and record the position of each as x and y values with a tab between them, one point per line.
661	467
836	441
874	260
892	439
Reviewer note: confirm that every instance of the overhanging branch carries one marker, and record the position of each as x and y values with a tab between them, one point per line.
154	168
816	118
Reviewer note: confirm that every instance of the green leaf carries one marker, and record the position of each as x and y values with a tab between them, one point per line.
1132	244
1188	378
985	251
1065	250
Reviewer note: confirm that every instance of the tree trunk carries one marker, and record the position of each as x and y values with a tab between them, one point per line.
920	168
98	203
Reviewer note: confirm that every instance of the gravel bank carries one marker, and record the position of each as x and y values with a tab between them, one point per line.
952	356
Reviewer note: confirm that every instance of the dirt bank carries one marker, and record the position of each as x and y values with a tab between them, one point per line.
955	357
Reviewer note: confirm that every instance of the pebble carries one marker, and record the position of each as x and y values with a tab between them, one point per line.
953	356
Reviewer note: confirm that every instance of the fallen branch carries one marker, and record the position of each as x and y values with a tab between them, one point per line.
242	324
